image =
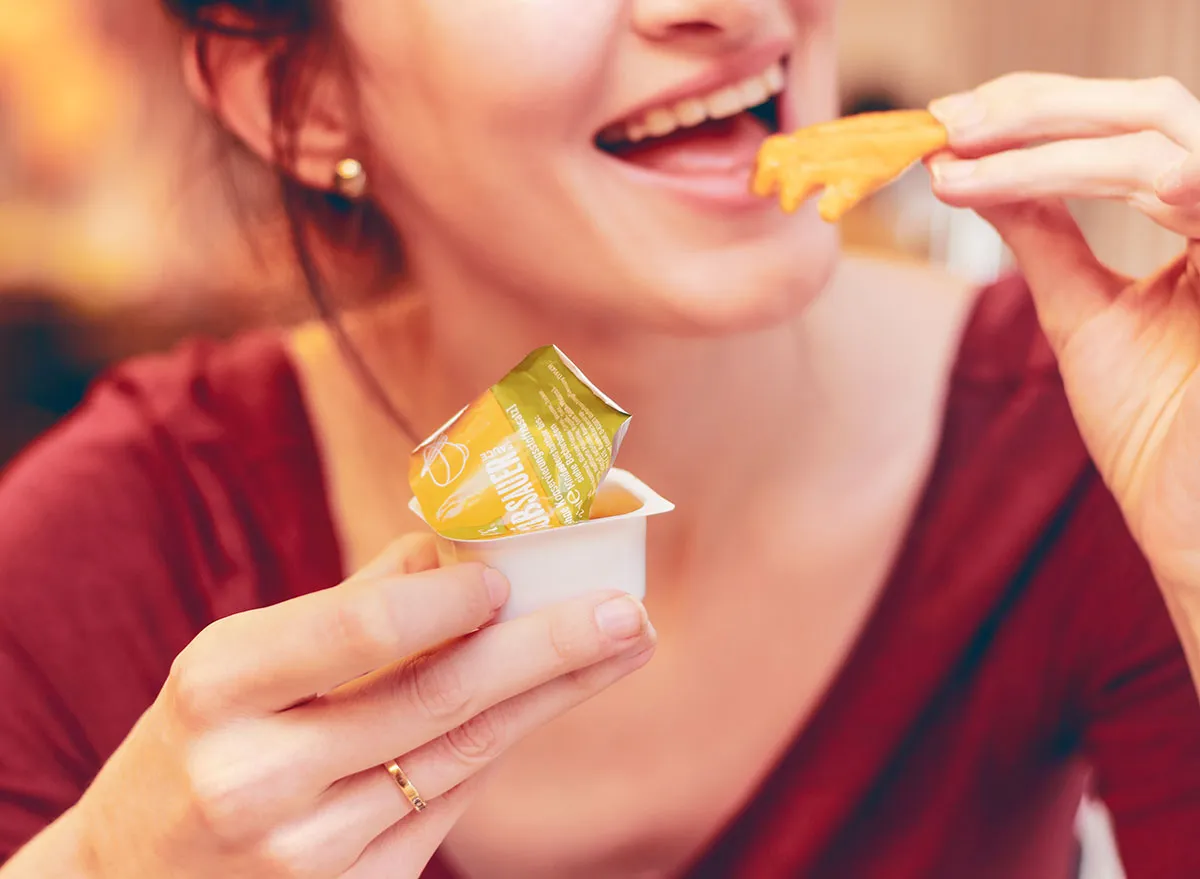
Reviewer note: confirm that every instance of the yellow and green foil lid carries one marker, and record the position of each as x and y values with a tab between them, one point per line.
528	455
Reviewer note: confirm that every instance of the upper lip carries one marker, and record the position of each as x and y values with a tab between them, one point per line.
732	70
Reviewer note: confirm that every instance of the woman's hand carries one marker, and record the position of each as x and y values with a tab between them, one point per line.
262	755
1128	349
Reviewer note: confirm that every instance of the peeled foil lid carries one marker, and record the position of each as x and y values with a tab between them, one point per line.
529	454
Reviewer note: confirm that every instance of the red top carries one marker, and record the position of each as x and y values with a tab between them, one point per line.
1020	639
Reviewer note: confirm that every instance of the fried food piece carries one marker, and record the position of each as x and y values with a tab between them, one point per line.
850	158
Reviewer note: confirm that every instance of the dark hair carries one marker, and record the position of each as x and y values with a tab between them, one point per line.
252	18
302	32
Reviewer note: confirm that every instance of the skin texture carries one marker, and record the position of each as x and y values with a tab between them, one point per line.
771	385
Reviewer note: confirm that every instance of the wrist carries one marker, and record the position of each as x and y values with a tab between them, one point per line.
61	850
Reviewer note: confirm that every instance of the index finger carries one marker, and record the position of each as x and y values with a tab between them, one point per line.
274	657
1024	108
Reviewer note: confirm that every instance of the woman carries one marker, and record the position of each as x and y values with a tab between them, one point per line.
897	612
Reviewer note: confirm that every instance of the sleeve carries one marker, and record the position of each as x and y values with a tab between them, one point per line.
90	610
1139	712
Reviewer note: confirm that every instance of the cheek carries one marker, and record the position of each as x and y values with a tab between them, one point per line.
467	104
462	63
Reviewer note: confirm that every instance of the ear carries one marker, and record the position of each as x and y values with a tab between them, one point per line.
230	76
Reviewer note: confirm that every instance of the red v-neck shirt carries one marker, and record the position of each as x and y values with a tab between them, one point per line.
1020	641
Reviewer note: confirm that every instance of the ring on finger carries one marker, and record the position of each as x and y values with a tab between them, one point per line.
406	786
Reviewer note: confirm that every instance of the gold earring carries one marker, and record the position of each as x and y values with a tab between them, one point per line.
350	179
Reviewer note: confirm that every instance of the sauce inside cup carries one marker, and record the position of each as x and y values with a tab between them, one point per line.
613	500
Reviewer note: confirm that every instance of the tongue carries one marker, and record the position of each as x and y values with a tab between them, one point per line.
716	146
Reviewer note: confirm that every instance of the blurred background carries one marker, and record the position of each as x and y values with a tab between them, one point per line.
115	198
119	229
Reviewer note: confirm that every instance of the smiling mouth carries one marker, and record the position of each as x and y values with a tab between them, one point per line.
719	132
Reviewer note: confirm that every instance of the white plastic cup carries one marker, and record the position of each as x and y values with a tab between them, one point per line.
608	551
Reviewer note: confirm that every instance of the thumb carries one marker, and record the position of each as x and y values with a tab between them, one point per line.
411	554
1180	186
1070	285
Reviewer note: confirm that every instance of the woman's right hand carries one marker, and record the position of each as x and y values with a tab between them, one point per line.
262	756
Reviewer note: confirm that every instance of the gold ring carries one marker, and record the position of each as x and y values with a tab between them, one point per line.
405	785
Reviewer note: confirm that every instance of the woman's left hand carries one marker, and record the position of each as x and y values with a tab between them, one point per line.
1128	349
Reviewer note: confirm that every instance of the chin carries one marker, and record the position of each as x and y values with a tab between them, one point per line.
747	290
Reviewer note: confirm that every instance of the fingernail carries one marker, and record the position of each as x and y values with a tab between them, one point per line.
1170	181
621	618
951	171
958	112
497	587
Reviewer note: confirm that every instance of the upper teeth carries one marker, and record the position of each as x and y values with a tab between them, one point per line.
720	104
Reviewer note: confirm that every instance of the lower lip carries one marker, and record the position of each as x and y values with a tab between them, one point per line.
721	184
728	191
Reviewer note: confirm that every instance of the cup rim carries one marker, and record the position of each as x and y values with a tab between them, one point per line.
651	504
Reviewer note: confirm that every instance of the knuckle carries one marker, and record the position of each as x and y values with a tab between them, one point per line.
226	801
435	686
189	694
1013	86
356	627
572	645
1148	153
194	684
288	856
478	740
1169	94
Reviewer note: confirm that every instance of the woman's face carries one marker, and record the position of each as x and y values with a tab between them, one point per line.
571	150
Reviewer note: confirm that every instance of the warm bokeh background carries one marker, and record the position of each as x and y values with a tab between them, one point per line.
119	229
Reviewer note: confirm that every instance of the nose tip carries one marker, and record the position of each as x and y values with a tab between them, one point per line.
726	20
